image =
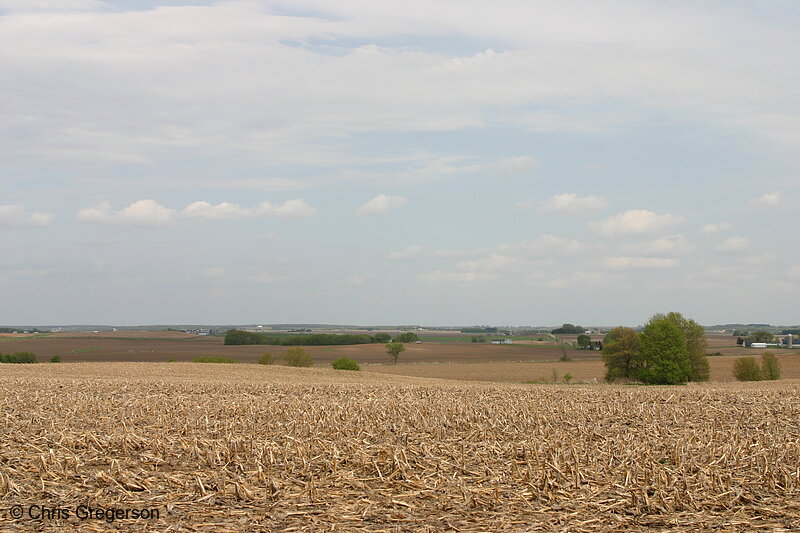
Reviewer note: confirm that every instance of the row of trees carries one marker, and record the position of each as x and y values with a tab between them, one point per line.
568	329
239	337
670	349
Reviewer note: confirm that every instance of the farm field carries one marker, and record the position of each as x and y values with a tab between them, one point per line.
257	448
162	346
721	368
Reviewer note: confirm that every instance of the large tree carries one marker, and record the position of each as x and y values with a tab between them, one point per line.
695	337
663	350
621	354
393	349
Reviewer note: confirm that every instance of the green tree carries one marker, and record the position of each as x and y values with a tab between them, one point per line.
344	363
770	367
760	336
584	341
265	359
663	350
394	349
746	369
407	337
621	354
695	338
382	338
297	356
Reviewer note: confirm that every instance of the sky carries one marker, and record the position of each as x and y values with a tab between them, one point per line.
417	162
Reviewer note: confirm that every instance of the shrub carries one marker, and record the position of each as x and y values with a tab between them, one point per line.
770	367
343	363
18	357
265	359
212	359
172	360
746	369
55	359
297	356
567	377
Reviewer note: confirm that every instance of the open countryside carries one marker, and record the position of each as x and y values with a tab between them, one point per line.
526	360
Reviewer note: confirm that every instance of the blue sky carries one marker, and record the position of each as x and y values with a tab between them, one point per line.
367	162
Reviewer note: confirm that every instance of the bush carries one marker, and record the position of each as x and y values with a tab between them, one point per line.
172	360
55	359
567	377
213	359
770	367
343	363
746	369
297	356
18	357
265	359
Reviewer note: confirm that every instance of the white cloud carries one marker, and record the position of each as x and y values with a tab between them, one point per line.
716	228
412	251
296	208
733	244
150	213
635	222
441	276
141	213
510	165
572	204
640	263
17	216
381	204
51	5
669	245
220	211
767	199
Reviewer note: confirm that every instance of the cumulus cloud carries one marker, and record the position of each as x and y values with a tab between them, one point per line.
412	251
141	213
716	228
572	204
767	199
150	213
733	244
17	216
381	204
669	245
634	222
640	263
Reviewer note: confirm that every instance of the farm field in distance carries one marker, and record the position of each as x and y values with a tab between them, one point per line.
531	361
270	448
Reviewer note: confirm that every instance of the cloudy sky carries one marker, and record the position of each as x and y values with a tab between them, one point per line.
447	162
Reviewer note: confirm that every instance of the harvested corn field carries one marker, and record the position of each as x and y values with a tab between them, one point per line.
256	448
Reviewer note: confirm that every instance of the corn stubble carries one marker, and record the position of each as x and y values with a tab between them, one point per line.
271	448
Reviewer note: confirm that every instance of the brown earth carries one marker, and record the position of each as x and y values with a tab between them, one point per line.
122	346
542	371
240	448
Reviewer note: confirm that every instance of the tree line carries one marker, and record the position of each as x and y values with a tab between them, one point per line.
670	350
240	337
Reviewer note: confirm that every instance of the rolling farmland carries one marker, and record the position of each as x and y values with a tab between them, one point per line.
257	448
